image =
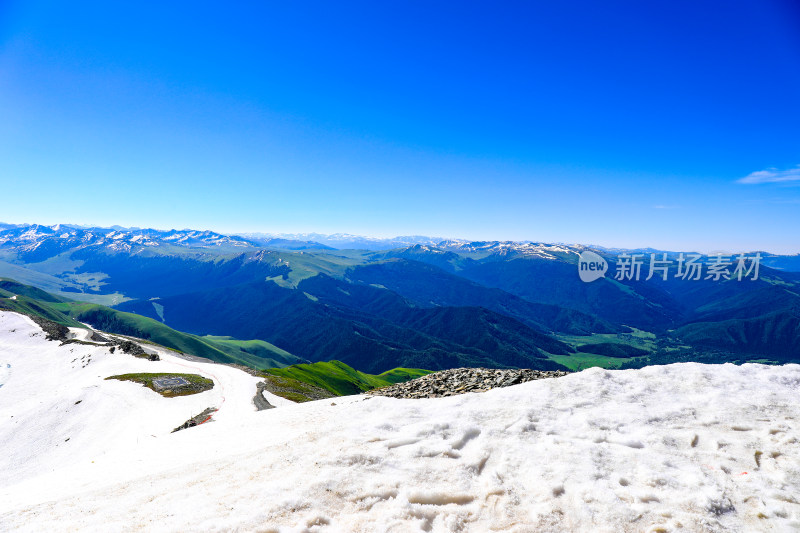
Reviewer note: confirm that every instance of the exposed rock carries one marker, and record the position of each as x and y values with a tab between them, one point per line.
196	420
132	348
259	400
53	331
463	380
98	338
84	343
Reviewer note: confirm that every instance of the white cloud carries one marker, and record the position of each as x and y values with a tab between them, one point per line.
772	175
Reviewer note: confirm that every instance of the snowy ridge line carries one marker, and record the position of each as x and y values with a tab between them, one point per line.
27	239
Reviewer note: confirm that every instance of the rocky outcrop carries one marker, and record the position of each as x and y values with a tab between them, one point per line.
260	402
196	420
463	380
96	337
53	331
132	348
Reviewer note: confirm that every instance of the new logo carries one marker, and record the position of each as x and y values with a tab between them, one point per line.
591	266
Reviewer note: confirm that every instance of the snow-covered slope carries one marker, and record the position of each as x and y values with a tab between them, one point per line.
683	447
57	412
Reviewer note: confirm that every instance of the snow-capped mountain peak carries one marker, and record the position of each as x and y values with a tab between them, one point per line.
51	240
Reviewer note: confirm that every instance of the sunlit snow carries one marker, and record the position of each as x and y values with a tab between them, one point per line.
685	447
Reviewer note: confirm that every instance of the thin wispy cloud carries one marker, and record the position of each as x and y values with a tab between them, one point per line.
772	175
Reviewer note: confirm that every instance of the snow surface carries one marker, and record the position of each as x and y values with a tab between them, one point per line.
684	447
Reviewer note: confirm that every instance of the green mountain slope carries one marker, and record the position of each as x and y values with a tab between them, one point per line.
774	335
255	354
14	287
366	327
428	285
341	379
35	308
262	353
15	296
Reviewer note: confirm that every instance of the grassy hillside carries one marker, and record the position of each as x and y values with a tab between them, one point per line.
255	354
21	298
14	287
776	335
341	380
612	349
197	384
606	350
268	355
13	297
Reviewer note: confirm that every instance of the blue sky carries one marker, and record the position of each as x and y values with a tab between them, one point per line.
667	124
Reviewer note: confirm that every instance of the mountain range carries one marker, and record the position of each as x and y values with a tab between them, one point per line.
428	304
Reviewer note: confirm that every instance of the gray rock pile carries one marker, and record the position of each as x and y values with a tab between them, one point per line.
53	331
132	348
463	380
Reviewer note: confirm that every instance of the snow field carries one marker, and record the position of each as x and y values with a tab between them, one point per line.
684	447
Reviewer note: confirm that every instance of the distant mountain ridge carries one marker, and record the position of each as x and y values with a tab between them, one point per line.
27	238
35	242
346	241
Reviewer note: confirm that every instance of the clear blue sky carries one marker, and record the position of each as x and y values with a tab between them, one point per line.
672	124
